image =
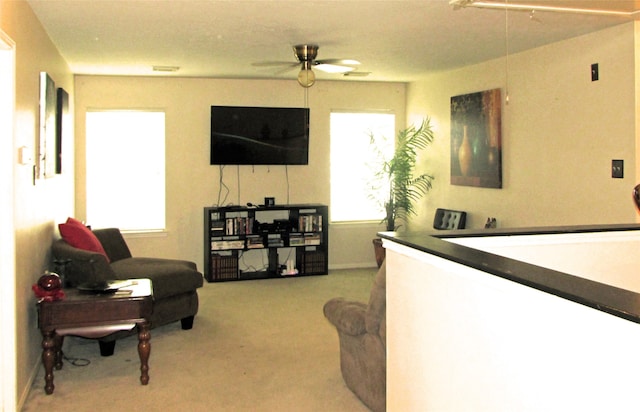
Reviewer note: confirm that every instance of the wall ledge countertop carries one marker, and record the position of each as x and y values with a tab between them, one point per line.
613	300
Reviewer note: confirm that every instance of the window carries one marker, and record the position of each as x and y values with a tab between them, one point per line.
352	163
126	170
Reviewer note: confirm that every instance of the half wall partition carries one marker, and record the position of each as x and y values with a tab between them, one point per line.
533	319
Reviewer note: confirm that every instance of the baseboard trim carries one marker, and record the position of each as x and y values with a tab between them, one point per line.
361	265
25	391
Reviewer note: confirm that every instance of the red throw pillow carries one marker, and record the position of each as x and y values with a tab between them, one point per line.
73	221
78	235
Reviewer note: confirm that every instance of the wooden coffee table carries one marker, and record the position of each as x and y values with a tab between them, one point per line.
95	315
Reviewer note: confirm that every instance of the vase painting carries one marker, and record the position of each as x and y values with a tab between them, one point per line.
476	139
465	154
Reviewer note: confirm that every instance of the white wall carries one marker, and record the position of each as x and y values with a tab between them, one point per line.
605	257
36	206
560	133
193	184
459	339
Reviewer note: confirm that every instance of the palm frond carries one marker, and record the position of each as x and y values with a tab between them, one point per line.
404	189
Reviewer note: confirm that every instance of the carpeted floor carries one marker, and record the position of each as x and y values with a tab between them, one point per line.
259	345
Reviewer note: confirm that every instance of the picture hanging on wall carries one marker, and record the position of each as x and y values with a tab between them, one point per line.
476	139
62	124
46	165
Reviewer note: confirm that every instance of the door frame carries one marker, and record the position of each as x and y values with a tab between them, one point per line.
8	353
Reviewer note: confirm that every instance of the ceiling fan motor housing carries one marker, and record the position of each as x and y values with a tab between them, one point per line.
306	52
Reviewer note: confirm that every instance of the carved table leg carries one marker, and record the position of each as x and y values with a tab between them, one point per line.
144	350
48	359
59	340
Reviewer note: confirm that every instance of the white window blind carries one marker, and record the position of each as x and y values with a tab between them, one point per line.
125	153
353	163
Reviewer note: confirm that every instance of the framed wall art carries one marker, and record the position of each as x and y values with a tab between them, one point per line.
62	125
476	139
46	164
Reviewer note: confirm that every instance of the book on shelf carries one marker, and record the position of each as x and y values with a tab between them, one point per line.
239	225
224	244
218	227
223	267
296	239
312	239
275	240
255	242
312	261
310	223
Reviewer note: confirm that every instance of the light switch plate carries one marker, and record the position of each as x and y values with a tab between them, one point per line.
617	169
24	155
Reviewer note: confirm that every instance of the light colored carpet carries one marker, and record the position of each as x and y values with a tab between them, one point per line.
259	345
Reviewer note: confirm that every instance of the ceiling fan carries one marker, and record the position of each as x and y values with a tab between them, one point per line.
306	56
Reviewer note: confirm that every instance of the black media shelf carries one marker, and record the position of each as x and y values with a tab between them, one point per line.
232	231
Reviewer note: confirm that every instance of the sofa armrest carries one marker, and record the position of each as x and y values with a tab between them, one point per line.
347	316
80	266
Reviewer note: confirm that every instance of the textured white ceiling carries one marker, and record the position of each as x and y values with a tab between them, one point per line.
395	40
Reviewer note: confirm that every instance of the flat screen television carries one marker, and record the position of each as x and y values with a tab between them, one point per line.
259	135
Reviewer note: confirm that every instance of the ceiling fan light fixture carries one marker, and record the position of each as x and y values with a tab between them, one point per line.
306	56
306	77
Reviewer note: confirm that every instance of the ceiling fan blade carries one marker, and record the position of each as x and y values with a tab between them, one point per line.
287	69
306	53
339	62
336	65
271	64
333	68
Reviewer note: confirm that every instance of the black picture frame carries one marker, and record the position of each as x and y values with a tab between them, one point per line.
62	125
46	165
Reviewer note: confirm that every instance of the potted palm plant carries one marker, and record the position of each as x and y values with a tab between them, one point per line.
397	175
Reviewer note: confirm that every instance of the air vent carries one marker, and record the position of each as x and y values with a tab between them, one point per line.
166	68
356	74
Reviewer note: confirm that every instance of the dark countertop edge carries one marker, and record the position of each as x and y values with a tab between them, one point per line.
610	299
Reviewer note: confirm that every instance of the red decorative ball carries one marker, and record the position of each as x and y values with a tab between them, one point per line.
50	281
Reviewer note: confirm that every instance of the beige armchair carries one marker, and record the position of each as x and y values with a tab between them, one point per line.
363	341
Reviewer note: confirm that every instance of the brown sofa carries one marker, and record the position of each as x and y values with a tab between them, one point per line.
363	342
175	282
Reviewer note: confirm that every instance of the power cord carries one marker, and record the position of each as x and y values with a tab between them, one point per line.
247	267
222	185
286	172
76	361
238	177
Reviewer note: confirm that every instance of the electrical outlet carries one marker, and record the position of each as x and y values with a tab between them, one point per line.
617	169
